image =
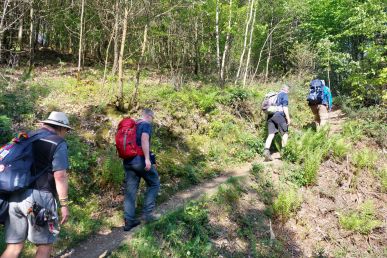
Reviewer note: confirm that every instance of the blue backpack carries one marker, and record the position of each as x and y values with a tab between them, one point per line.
316	92
17	160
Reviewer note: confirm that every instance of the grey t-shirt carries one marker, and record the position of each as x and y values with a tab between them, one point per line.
60	160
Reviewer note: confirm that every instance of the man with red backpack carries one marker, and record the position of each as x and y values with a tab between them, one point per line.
133	144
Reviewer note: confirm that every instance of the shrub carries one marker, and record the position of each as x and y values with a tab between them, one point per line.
81	156
362	220
5	129
364	159
287	202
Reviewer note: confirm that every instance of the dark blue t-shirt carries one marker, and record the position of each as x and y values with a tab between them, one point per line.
142	127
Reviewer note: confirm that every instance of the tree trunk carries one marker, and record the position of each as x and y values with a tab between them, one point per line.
139	64
80	40
20	34
226	46
268	58
262	48
32	38
121	59
116	39
248	21
107	58
217	36
250	43
5	6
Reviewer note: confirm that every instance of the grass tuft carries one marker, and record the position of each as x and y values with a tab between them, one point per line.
362	220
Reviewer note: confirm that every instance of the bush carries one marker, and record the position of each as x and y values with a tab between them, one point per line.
5	129
81	156
365	159
287	202
362	220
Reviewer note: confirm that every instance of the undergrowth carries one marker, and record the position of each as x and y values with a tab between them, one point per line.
363	220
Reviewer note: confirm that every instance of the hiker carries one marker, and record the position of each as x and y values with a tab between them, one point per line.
142	165
33	211
278	121
320	102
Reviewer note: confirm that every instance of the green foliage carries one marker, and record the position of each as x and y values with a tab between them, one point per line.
112	172
286	204
383	179
81	156
229	194
305	144
340	148
5	129
365	159
308	149
352	130
362	220
181	233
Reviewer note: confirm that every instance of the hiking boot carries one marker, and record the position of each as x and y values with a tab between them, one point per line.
151	218
131	224
267	155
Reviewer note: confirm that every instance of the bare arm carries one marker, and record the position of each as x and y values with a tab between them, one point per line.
286	111
62	187
145	149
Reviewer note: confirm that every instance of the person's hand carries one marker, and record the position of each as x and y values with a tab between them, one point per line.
65	213
148	164
288	122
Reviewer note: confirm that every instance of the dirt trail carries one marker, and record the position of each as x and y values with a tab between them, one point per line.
336	121
101	245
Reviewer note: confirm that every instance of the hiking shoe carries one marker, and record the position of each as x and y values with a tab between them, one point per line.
151	218
267	155
131	224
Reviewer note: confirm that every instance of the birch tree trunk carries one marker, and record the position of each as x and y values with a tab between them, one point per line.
32	38
116	39
217	36
139	65
226	46
271	31
121	59
20	33
248	21
269	55
5	7
107	58
80	40
250	43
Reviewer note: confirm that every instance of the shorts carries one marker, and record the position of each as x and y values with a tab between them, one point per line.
277	123
18	226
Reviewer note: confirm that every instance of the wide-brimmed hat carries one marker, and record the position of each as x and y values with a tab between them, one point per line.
57	118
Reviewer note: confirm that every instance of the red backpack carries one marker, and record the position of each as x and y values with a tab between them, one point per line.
126	139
